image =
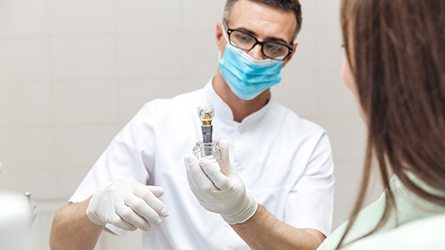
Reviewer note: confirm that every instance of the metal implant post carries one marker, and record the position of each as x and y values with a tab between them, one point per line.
206	115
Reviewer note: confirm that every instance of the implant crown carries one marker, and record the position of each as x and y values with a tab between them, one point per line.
206	114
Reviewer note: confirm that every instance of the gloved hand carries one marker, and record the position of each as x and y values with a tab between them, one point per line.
218	191
128	205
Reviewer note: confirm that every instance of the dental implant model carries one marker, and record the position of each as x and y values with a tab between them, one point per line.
207	148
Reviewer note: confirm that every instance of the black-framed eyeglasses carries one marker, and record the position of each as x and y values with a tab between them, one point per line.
269	49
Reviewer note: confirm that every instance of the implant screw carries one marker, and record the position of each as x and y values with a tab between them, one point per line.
206	115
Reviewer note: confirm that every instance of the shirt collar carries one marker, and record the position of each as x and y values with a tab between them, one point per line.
222	110
224	113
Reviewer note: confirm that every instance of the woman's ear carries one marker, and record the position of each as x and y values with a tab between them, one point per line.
348	78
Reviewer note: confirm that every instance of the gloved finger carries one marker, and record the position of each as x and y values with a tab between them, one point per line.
192	169
156	190
129	216
190	163
155	207
198	180
117	221
143	210
211	169
224	162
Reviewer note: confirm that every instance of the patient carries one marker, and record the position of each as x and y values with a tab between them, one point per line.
396	67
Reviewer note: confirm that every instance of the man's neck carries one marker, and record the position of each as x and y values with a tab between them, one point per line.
240	108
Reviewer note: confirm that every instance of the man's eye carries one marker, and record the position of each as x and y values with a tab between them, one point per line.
244	38
274	48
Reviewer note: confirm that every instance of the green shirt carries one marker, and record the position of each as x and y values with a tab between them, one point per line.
416	224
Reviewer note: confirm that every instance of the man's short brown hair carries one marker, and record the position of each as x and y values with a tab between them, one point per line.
289	5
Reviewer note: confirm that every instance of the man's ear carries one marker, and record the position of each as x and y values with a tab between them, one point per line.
219	35
294	49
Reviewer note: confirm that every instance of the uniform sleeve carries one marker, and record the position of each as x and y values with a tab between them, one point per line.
130	154
310	203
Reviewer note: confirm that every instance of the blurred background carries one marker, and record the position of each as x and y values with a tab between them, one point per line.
73	72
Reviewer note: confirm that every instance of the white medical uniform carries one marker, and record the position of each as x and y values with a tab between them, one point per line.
284	161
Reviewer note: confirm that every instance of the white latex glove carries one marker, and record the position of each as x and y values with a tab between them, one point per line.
127	204
218	191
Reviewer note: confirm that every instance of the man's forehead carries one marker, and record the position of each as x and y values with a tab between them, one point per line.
263	20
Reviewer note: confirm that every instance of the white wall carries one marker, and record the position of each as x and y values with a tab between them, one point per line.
72	72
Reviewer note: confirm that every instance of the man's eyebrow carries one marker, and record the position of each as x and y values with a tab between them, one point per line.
271	38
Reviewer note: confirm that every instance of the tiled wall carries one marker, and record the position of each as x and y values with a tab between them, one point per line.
72	72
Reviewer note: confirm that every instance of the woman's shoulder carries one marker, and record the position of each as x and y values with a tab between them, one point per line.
424	233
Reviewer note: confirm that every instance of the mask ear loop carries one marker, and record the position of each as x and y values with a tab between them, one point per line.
225	27
224	23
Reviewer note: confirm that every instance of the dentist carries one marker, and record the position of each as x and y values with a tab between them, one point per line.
278	192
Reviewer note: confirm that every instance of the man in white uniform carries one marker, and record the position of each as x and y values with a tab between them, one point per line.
280	164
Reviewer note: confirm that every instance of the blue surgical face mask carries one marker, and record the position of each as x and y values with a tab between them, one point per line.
246	76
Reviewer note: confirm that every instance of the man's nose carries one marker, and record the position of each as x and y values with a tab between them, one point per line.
256	53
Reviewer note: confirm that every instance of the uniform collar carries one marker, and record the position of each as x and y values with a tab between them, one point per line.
225	114
222	110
